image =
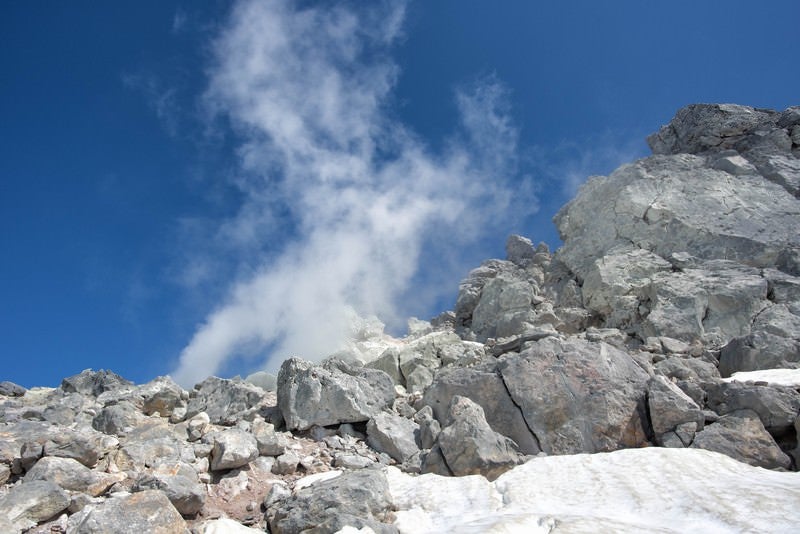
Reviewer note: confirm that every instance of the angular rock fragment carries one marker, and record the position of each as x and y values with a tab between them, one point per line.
674	416
233	448
356	499
394	435
470	446
145	511
185	494
333	393
741	436
71	475
30	503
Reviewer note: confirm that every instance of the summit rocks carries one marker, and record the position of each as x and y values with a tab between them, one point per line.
661	341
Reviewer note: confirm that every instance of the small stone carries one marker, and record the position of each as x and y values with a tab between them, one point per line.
286	464
233	448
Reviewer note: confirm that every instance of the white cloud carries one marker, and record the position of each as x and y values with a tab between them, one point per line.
307	91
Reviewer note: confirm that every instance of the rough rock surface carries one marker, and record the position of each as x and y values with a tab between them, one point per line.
358	499
335	393
470	446
578	396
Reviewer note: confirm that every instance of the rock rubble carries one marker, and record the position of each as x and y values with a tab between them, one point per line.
678	272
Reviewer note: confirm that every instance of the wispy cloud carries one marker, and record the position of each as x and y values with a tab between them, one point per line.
348	196
161	98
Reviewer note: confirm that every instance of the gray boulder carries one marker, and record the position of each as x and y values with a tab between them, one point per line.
185	494
145	511
578	396
71	475
332	393
163	396
225	401
741	436
30	503
674	244
117	419
10	389
519	250
233	448
395	435
429	427
93	383
357	499
702	127
674	416
470	446
135	455
776	407
269	442
484	385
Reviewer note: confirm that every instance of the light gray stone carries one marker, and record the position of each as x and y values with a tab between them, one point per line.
233	448
429	427
470	446
117	419
389	363
71	475
145	511
394	435
270	442
10	389
519	250
332	393
357	499
135	455
225	401
352	461
94	383
286	463
30	503
163	396
185	494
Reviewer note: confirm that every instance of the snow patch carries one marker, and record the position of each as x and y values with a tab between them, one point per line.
633	490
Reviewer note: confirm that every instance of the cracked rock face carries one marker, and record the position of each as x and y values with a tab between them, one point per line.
684	243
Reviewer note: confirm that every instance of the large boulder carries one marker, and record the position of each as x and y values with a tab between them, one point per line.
225	401
30	503
71	475
741	436
578	396
187	495
776	407
357	499
395	435
484	385
145	511
470	446
332	393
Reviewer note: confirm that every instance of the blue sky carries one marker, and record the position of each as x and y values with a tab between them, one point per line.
207	187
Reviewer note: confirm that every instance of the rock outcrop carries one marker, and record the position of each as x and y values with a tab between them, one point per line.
665	330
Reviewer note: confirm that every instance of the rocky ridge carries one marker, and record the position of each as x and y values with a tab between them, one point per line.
670	319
